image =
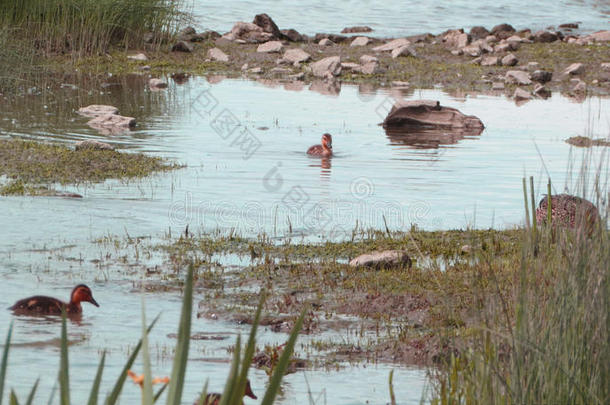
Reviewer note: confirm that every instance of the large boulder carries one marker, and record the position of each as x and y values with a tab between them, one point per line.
478	32
503	31
267	24
430	114
568	210
327	67
383	260
96	110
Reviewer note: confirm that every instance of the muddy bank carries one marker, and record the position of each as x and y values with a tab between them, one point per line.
552	60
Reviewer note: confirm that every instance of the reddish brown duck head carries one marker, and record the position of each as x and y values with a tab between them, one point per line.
82	293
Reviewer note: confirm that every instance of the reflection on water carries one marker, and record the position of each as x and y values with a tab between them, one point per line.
429	138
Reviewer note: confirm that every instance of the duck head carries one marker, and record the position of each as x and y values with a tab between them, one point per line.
82	293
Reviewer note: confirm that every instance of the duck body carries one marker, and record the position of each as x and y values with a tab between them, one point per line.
43	305
214	398
325	149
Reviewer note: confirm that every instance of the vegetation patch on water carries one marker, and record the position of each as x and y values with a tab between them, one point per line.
29	164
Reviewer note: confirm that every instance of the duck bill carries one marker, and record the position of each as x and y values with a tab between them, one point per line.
94	302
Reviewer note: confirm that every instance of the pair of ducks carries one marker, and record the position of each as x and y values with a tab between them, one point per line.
43	305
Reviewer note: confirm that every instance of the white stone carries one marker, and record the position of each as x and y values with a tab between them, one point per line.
390	46
296	55
368	58
360	41
137	56
218	55
270	47
156	84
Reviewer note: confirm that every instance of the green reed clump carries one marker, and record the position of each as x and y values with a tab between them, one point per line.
83	27
548	341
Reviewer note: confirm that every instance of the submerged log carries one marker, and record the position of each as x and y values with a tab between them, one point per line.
429	114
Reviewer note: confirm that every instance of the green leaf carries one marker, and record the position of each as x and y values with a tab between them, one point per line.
204	393
147	391
230	391
7	344
95	390
64	375
13	399
30	399
158	394
282	365
118	386
176	383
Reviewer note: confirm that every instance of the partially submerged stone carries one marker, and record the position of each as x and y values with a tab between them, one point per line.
355	29
518	77
96	110
112	123
92	144
520	94
383	260
430	114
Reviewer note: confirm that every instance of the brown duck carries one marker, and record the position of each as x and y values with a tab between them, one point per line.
325	149
42	305
213	398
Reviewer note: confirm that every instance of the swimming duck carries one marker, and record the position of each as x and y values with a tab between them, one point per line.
213	398
40	304
326	149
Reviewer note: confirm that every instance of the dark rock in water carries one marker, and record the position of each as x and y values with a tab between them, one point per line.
585	142
541	76
479	32
569	25
182	46
570	211
291	35
545	36
503	31
267	24
359	28
429	114
333	37
383	260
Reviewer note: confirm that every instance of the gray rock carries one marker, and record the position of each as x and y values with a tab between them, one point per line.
361	41
478	32
93	144
353	30
580	87
383	260
406	50
575	69
270	47
331	65
248	32
545	36
138	56
509	60
326	42
472	50
518	77
292	35
457	52
182	46
112	123
156	84
296	55
605	66
96	110
371	68
429	113
267	24
600	36
368	58
542	91
542	76
490	61
497	86
521	94
390	46
218	55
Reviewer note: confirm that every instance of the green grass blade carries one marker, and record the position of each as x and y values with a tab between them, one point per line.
176	382
282	365
95	389
158	394
250	347
534	224
204	393
13	399
230	391
64	375
549	209
4	365
53	391
391	384
147	391
118	386
30	399
525	201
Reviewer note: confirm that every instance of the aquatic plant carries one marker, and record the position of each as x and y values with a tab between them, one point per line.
548	341
236	380
90	26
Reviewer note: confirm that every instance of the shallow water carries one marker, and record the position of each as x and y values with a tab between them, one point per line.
445	182
401	18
